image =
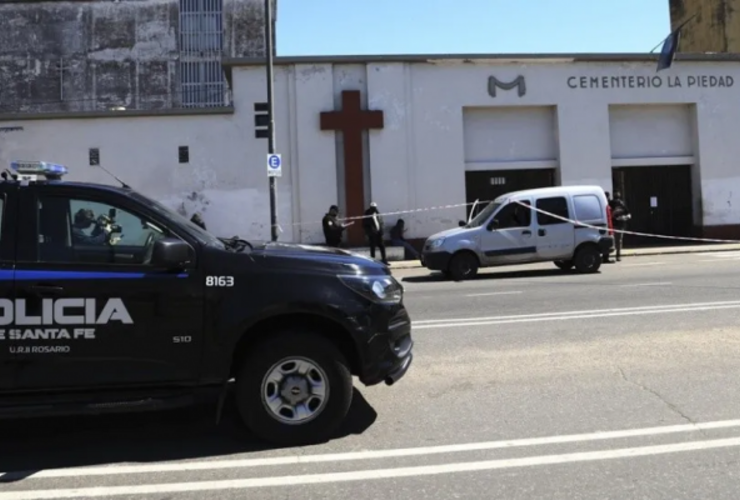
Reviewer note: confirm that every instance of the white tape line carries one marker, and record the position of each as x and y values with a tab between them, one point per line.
398	212
623	231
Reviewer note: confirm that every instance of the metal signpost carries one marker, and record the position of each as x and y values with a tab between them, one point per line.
271	156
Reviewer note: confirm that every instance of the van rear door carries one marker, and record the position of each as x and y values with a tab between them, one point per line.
555	237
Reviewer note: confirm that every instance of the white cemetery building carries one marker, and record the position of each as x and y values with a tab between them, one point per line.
416	133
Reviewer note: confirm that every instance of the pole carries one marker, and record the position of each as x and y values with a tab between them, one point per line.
271	115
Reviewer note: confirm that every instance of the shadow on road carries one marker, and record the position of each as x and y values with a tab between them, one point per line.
529	273
38	444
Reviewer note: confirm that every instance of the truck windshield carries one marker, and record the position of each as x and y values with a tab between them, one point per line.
193	229
484	214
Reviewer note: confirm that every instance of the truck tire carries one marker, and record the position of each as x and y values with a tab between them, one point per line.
587	259
294	389
463	266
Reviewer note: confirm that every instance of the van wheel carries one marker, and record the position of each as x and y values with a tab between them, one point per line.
463	266
565	265
294	389
587	259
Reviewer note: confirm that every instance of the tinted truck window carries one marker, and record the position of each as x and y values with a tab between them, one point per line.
557	206
588	207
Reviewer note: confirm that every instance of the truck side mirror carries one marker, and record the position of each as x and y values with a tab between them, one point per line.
461	223
494	224
171	253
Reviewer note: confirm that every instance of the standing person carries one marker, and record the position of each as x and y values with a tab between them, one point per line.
605	256
374	227
397	238
333	229
620	216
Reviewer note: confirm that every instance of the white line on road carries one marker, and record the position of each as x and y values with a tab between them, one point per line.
582	311
492	293
340	477
570	315
110	470
643	264
648	284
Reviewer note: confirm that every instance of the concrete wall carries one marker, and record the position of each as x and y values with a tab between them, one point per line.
225	179
716	27
418	160
83	56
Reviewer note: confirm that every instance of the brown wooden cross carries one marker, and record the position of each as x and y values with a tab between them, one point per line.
351	121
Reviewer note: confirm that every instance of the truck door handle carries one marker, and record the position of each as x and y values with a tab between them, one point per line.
527	233
541	232
47	290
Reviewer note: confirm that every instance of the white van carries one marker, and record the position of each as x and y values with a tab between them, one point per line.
506	232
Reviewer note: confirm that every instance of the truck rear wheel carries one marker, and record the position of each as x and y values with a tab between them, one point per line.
587	259
294	389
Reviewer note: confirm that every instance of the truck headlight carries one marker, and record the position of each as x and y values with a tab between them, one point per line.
437	243
379	289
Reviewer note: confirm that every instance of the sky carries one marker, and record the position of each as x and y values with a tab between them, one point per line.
361	27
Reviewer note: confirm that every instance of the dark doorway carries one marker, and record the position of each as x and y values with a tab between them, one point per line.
660	200
488	185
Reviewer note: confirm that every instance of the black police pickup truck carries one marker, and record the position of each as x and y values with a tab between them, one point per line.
111	302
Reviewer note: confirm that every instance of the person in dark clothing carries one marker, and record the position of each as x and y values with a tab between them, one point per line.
333	229
374	228
605	256
84	218
397	238
620	216
198	220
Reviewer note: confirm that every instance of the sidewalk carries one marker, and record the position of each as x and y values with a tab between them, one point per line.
637	252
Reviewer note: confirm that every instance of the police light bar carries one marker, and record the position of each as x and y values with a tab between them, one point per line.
49	170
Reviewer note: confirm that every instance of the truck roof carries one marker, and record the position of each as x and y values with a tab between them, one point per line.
555	190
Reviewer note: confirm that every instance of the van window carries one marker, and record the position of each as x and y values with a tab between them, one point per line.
557	206
514	215
588	207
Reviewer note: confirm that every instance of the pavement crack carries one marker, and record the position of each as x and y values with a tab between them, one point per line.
662	399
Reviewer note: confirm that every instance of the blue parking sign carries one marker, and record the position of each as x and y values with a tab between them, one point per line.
274	165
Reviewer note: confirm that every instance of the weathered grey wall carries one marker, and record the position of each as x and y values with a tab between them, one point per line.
716	27
97	55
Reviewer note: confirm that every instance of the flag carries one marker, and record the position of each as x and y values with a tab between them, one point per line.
670	46
668	52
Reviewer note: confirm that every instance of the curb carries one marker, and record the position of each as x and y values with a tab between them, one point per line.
407	264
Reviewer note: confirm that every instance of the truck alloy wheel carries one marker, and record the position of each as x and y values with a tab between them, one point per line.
294	389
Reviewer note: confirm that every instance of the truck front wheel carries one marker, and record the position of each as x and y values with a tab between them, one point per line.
294	389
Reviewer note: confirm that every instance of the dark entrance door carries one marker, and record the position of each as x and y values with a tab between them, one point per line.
487	185
660	200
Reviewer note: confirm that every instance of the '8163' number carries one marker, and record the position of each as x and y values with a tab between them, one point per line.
220	281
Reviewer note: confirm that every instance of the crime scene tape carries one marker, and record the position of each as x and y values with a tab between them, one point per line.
385	214
482	203
624	231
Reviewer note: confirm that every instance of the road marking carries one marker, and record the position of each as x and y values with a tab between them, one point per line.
491	293
643	264
340	477
110	470
570	315
648	284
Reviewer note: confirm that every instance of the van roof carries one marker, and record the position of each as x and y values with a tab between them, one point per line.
554	191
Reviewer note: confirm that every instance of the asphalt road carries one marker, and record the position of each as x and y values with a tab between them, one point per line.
528	383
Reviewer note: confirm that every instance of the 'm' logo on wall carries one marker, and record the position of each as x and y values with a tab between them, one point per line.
518	83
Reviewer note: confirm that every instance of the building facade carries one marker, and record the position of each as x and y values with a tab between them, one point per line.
126	54
423	136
